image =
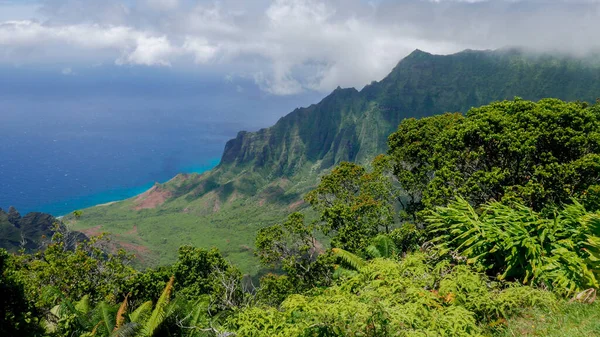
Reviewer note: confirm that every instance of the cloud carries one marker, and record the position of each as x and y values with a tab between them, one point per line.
289	46
134	47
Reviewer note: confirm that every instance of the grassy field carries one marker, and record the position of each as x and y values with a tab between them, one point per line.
228	223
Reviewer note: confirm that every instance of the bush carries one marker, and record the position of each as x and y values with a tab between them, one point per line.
516	243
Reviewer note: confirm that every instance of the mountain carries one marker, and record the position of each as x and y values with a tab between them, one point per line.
28	231
263	175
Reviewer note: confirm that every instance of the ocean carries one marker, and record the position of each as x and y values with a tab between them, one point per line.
108	133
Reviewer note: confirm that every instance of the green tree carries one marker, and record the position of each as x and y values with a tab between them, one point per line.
85	270
17	313
354	204
292	246
413	149
541	154
205	272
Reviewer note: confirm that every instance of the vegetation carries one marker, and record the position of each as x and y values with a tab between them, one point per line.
264	175
493	230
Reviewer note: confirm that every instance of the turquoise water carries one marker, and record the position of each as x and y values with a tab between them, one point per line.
109	133
67	206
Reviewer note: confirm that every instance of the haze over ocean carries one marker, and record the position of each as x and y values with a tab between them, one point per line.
100	134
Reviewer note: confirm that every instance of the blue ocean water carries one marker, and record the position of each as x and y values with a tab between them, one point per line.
108	133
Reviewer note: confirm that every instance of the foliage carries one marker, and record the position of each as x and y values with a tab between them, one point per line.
85	270
408	237
540	154
17	314
205	272
413	149
292	246
149	284
354	204
412	297
568	319
517	243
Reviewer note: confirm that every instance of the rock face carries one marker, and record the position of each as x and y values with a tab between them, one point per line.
263	175
13	216
352	125
28	231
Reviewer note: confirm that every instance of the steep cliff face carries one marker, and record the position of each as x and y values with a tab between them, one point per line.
349	125
263	175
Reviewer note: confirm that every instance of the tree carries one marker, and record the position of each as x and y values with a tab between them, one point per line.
413	149
86	269
17	313
354	205
205	272
540	154
292	246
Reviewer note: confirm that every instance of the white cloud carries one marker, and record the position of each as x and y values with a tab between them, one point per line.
288	46
135	47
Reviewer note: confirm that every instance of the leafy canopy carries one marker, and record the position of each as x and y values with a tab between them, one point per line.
539	153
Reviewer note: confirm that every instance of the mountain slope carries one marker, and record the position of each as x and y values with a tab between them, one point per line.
28	231
263	175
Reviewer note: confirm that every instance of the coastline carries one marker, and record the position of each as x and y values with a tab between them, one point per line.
111	196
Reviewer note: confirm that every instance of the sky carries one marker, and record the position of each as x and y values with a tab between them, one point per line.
112	95
285	47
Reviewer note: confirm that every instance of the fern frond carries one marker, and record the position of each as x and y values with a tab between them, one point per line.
120	319
159	313
372	251
106	317
83	305
142	313
385	245
130	329
352	260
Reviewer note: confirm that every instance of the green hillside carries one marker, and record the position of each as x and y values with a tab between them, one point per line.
263	175
28	232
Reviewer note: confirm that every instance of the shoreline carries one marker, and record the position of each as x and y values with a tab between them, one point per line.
111	196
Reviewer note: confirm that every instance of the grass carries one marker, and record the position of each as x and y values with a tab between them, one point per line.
568	320
155	235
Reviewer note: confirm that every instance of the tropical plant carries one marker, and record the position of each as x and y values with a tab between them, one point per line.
354	204
410	297
538	153
517	243
17	313
144	321
382	246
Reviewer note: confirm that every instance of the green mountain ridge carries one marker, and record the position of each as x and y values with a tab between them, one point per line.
263	175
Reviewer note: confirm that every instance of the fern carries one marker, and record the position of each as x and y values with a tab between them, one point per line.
130	329
120	319
382	246
515	242
142	313
83	305
353	261
160	310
